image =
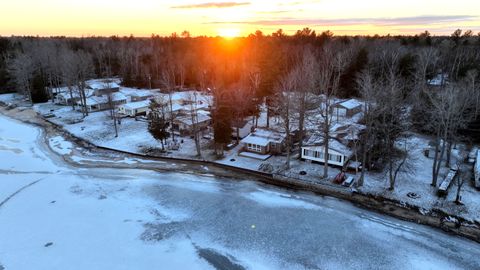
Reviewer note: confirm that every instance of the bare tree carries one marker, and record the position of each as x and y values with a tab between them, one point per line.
285	91
168	81
112	110
332	63
77	69
306	85
22	68
193	102
366	85
448	113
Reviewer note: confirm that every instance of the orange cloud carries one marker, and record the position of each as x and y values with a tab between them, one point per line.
213	5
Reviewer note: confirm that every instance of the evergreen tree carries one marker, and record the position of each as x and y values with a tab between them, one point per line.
158	125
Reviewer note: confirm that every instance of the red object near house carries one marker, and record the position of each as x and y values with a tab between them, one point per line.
339	178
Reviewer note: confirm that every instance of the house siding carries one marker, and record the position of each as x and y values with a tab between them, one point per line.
316	154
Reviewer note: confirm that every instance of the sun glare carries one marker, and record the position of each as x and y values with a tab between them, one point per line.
229	33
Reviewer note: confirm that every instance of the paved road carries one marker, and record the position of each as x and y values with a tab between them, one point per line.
58	216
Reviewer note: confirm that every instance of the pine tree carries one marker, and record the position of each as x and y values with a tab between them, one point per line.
158	125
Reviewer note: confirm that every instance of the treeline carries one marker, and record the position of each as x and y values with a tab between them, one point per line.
142	62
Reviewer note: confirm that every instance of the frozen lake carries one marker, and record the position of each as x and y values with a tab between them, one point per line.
57	216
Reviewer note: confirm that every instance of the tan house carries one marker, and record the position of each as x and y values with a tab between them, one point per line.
185	126
264	141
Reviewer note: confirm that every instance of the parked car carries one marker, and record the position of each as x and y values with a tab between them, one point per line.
339	178
349	181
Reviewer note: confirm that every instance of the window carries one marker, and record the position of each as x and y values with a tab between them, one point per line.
335	158
254	147
319	154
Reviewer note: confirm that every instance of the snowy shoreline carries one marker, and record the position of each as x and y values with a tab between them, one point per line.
434	217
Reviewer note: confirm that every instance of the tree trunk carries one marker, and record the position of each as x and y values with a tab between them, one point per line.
325	158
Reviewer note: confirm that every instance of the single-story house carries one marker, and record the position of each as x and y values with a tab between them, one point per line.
64	97
102	87
264	141
338	154
346	108
139	94
101	103
185	125
133	109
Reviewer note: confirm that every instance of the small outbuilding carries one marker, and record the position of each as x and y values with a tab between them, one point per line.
347	109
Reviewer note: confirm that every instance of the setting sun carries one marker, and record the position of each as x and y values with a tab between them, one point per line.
229	33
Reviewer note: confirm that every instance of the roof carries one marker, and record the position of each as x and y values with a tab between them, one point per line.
263	137
137	105
350	131
187	119
98	84
94	100
350	104
317	141
65	92
132	92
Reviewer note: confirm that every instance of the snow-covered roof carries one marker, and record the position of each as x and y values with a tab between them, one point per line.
136	105
187	119
64	92
263	137
98	84
132	92
350	131
350	104
316	140
94	100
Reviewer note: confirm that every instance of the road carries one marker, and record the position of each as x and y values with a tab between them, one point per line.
59	215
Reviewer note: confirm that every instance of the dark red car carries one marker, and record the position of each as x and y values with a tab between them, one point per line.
339	178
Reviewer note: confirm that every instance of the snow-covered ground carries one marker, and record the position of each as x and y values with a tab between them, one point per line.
98	128
134	137
54	216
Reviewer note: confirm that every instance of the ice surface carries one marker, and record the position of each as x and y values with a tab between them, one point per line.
96	218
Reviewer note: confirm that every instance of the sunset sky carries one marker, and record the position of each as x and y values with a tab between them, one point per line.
241	17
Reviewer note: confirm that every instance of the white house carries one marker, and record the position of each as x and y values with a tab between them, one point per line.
264	141
101	103
338	154
133	109
139	94
63	95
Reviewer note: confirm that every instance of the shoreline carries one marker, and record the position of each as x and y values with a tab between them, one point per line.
435	218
